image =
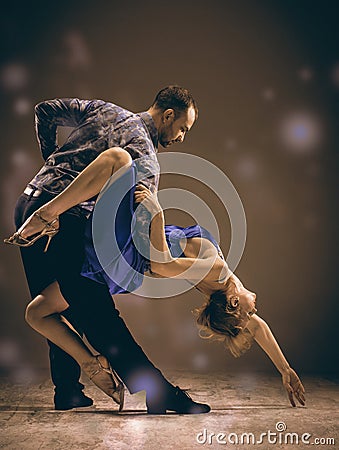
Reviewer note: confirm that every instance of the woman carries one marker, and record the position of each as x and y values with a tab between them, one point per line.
229	313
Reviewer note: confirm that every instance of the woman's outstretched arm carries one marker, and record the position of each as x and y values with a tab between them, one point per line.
264	337
162	262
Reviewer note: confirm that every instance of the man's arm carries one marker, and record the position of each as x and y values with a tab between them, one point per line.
59	112
142	152
264	337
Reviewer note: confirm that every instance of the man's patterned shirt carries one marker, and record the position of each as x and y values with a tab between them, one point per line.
98	125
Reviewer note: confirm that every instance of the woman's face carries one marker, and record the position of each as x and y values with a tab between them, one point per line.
246	300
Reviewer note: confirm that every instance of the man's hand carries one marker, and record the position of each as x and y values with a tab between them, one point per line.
293	386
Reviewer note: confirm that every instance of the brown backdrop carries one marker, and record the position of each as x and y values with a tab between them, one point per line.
266	78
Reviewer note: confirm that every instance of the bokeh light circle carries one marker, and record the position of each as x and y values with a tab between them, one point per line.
300	133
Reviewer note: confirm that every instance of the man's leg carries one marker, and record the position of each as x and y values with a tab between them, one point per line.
65	374
94	309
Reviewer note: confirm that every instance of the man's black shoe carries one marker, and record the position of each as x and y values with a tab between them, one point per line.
176	400
71	399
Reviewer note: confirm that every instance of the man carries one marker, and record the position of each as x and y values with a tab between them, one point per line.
98	125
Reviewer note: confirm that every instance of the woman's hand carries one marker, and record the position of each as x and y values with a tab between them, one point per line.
293	386
150	200
264	337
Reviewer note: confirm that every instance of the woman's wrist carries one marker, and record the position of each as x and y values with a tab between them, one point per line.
284	369
156	211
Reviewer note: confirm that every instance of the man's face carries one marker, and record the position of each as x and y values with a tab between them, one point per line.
173	129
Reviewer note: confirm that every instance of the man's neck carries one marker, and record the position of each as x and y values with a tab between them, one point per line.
156	116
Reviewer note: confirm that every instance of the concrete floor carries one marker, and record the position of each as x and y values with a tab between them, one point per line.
240	403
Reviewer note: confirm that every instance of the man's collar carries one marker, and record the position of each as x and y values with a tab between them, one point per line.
149	122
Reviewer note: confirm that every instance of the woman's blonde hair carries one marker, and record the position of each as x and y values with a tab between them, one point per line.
217	319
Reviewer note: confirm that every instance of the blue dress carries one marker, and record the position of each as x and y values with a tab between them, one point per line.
121	265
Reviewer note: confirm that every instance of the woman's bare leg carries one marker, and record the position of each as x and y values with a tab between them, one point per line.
44	315
86	185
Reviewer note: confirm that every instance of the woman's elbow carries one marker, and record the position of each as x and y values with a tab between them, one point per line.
159	268
155	268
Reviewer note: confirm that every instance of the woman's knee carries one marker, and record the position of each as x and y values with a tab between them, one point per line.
33	313
117	156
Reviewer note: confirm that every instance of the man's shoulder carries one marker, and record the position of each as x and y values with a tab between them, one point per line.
129	126
119	113
109	106
127	120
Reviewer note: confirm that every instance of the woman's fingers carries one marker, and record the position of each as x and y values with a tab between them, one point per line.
141	193
149	199
295	389
299	393
290	392
300	398
141	188
140	196
299	390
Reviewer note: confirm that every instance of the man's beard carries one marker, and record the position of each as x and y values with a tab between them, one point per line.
165	143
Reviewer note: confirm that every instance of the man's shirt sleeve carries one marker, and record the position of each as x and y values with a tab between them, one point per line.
142	152
50	114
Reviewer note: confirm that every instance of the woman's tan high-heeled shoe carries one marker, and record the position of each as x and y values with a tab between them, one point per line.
49	230
115	388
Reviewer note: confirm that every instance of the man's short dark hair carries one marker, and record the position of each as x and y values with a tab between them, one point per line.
177	98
